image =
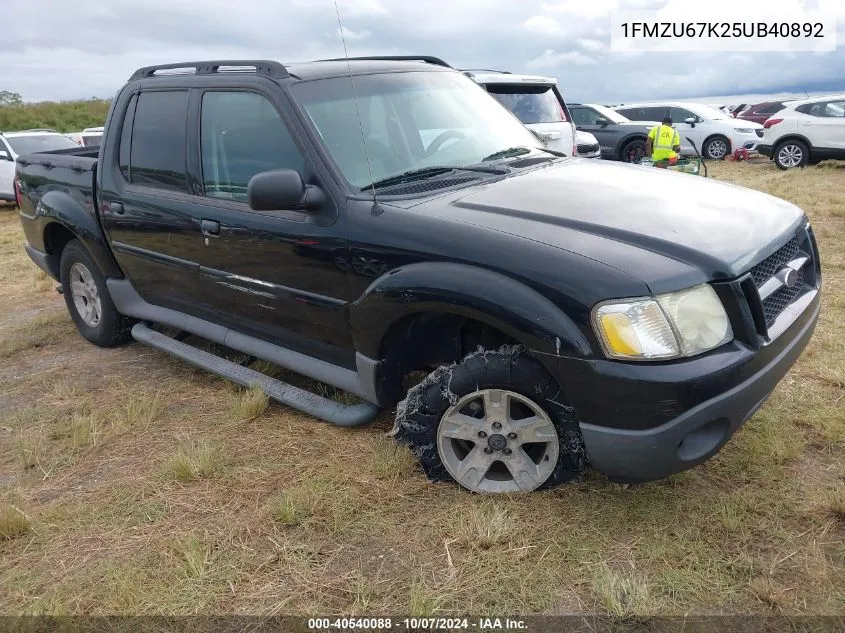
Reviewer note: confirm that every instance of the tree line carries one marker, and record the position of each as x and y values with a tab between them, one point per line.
62	116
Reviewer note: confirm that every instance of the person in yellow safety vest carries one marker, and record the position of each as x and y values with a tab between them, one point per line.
663	142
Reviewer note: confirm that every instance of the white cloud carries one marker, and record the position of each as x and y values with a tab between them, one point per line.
44	59
594	46
352	35
544	25
581	8
550	59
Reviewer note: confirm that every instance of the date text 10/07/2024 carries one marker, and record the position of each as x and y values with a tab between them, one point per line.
416	624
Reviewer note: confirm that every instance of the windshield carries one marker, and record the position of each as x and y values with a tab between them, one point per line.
531	104
39	143
610	115
410	121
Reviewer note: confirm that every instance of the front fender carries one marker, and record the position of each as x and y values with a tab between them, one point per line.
60	207
487	296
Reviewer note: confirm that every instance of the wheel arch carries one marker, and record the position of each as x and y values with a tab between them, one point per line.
792	136
435	311
64	217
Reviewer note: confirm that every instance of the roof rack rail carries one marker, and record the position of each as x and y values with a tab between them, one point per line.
264	67
485	70
395	58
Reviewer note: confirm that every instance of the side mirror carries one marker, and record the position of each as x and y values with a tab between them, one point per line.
690	121
4	155
282	189
602	122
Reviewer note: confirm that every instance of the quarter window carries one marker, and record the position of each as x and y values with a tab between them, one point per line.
157	156
126	137
242	135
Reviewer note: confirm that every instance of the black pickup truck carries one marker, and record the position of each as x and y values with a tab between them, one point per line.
361	221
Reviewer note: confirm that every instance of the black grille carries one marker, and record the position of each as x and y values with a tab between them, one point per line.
776	303
766	269
426	185
588	149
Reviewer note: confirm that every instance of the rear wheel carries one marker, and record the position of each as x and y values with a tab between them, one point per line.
791	154
88	300
633	151
716	148
494	422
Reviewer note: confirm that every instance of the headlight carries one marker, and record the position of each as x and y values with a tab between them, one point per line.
744	130
673	325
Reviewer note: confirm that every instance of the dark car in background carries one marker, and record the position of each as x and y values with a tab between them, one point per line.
760	112
618	136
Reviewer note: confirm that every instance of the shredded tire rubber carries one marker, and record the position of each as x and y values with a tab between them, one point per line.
509	367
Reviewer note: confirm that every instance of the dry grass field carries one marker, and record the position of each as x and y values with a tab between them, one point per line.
132	483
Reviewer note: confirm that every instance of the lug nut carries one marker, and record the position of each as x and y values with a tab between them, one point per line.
512	436
488	450
482	434
507	451
497	425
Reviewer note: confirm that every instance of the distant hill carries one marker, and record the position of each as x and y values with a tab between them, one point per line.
62	116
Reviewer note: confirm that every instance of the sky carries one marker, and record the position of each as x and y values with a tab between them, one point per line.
58	49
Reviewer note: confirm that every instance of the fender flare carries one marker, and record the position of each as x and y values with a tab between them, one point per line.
487	296
792	136
58	207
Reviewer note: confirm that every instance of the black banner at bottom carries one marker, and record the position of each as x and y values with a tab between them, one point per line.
382	624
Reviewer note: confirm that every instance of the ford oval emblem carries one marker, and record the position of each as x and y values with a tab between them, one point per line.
788	277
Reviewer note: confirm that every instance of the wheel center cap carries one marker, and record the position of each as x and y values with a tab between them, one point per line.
497	442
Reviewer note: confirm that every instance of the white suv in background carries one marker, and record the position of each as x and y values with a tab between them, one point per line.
806	131
14	144
537	102
715	133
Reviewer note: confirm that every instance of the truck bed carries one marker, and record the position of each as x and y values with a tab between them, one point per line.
69	170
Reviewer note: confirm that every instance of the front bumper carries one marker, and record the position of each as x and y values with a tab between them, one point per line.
705	400
746	142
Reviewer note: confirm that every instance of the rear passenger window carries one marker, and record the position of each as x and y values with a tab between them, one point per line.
242	135
157	158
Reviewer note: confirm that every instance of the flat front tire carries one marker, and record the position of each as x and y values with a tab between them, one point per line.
494	422
88	300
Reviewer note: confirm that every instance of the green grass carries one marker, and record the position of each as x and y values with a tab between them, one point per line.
248	404
62	116
13	523
195	460
146	491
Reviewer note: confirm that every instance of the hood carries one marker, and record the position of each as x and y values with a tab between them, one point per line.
737	122
748	124
633	218
648	124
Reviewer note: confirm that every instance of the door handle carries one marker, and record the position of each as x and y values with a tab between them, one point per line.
210	227
116	208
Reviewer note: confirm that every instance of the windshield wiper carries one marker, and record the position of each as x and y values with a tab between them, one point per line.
430	172
520	151
507	153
